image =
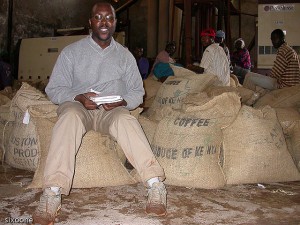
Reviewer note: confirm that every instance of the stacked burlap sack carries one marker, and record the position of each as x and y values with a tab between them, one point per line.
5	101
99	162
208	136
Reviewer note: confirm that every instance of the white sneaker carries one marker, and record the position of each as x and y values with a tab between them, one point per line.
49	205
157	199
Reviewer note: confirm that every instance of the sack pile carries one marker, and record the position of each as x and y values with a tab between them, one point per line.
203	135
207	136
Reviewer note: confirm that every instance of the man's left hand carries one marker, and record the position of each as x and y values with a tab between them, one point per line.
110	106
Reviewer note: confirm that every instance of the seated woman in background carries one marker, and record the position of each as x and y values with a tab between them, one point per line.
161	68
240	59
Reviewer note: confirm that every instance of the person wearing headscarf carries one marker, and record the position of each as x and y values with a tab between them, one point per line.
240	60
220	38
214	60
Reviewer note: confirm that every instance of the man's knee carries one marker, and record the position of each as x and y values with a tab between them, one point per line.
123	116
70	108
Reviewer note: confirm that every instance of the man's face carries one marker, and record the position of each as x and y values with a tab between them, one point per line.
103	24
206	41
138	52
276	41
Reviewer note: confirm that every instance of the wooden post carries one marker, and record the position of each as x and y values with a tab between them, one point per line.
197	33
227	21
188	31
163	24
152	28
240	19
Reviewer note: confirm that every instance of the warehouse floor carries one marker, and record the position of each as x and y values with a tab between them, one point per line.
263	204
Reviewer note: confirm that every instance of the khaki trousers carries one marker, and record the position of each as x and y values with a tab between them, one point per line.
255	79
74	121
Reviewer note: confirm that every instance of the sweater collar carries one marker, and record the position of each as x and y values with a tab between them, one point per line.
91	40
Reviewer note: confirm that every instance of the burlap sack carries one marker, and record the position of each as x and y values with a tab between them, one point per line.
4	118
151	87
188	143
149	127
196	99
98	165
4	99
255	150
173	91
213	91
21	150
293	142
248	97
285	97
287	117
98	161
5	102
181	71
234	81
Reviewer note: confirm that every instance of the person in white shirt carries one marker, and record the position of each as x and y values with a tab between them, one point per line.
214	60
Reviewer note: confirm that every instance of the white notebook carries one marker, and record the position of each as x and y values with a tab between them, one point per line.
106	99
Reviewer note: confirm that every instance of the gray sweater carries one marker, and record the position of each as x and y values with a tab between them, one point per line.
84	65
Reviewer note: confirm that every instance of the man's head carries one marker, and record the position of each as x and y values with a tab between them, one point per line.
103	23
207	37
171	48
138	52
220	36
277	38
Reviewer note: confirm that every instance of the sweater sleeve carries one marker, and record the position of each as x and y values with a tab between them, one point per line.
134	85
59	88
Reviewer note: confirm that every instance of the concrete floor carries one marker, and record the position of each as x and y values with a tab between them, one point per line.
270	204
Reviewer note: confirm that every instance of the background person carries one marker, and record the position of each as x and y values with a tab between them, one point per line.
240	59
162	60
142	62
220	39
96	62
286	69
6	77
214	60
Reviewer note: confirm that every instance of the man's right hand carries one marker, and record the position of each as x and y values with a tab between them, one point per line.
85	100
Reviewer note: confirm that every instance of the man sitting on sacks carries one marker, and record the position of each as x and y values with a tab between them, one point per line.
286	69
214	60
99	63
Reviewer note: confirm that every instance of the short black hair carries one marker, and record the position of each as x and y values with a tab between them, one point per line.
102	2
170	44
279	33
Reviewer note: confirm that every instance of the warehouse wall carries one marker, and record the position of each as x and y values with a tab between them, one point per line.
39	18
3	24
